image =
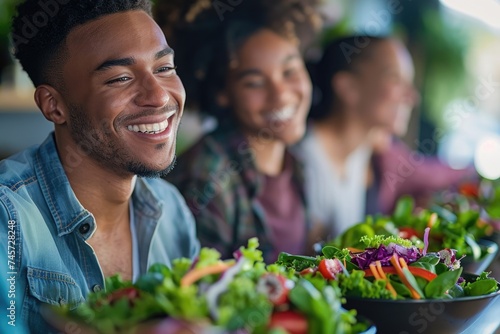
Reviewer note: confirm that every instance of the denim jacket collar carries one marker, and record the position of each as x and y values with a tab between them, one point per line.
65	208
146	201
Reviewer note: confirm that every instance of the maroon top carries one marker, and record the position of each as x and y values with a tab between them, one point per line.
282	206
402	171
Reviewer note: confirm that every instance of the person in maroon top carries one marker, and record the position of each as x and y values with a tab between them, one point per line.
353	164
402	171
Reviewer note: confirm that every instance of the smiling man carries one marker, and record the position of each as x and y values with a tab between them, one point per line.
87	203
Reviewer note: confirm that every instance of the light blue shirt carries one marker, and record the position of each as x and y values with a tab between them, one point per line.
44	256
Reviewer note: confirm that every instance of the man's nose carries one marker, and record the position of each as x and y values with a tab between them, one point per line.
152	92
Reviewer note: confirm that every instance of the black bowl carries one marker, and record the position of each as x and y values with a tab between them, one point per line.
489	250
423	316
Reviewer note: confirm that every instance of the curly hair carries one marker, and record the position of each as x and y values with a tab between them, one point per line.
340	55
40	29
216	29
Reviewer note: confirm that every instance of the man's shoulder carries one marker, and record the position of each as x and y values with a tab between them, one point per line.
18	170
20	194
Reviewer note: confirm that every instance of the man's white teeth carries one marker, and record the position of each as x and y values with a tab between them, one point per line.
149	128
283	114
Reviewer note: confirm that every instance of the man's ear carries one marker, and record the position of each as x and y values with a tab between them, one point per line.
51	104
345	87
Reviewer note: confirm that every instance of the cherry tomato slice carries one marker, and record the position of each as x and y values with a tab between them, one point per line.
129	293
291	321
308	271
469	189
275	287
329	268
407	232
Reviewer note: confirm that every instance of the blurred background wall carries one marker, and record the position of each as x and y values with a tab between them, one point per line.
454	44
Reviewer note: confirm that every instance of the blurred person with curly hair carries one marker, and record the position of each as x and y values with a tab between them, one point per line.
243	65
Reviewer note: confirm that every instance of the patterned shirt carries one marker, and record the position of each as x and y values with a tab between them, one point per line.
221	185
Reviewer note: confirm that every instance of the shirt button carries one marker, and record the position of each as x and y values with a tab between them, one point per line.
96	288
84	228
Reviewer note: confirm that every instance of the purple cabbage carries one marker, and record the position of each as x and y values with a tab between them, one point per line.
384	253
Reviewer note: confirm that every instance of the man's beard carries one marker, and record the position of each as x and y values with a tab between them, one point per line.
140	169
105	150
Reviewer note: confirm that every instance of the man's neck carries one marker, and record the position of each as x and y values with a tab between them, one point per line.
104	193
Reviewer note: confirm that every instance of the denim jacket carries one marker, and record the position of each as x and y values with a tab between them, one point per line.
45	258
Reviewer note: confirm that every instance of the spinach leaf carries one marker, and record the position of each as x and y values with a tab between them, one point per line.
456	291
309	301
427	262
431	258
481	287
403	211
442	283
400	288
297	262
331	252
411	279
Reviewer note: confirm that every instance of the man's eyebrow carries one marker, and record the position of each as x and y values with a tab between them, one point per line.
130	60
167	51
115	62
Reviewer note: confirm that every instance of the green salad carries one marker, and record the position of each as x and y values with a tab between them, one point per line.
482	197
241	294
391	268
459	229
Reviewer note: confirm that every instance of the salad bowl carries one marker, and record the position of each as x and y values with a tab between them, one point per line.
424	315
464	230
208	295
489	250
404	289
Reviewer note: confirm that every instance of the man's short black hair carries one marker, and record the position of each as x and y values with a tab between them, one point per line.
40	29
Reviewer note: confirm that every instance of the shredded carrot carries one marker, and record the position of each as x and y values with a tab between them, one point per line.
432	220
354	250
197	273
403	263
387	284
399	270
374	271
420	272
